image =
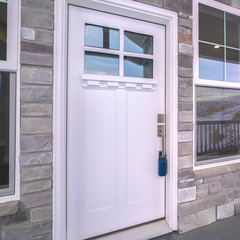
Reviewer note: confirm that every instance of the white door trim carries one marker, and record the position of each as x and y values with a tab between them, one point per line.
126	8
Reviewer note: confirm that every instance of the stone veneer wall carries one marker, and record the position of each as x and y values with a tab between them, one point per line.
31	217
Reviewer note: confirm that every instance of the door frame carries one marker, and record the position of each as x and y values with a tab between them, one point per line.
126	8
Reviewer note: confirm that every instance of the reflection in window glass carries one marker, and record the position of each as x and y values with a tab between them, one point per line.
138	43
138	67
233	66
218	122
233	30
101	63
211	62
211	24
3	30
102	37
4	130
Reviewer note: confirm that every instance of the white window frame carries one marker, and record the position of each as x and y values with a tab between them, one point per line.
12	66
208	83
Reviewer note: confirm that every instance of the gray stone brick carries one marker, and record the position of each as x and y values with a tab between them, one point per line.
8	208
46	237
201	204
230	196
185	92
30	94
156	3
183	6
35	159
36	109
185	162
185	148
215	187
185	106
27	232
43	4
202	190
226	210
185	61
36	125
186	136
184	30
185	48
185	82
185	126
211	172
36	143
33	187
185	22
44	36
197	220
19	217
36	18
36	199
189	182
185	173
237	208
212	179
231	181
186	194
36	59
234	3
40	214
185	116
27	34
237	193
36	47
35	173
36	75
185	72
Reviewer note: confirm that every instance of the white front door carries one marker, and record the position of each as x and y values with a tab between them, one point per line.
116	89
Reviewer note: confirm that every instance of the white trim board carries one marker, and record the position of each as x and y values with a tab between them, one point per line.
129	9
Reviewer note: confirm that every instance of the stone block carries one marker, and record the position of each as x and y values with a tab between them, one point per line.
186	136
185	82
35	159
36	94
156	3
185	72
237	193
201	204
19	217
8	208
185	48
213	179
36	109
36	75
189	182
185	162
27	34
182	38
36	125
185	148
185	92
185	22
40	214
36	143
185	106
185	173
211	172
33	187
36	59
184	30
202	190
234	3
215	187
183	6
185	126
197	220
225	211
44	36
237	208
231	181
35	173
46	237
185	116
27	232
186	194
34	47
36	18
185	60
43	4
36	199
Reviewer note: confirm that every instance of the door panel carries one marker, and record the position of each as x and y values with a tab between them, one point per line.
112	142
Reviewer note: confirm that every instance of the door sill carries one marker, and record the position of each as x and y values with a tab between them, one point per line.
144	231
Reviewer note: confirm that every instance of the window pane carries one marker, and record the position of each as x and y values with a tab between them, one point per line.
3	31
218	122
233	65
211	62
102	37
101	63
138	43
4	130
233	30
211	24
138	67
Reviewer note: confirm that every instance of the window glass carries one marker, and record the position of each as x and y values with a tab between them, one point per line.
101	63
211	24
3	30
211	62
138	43
233	65
233	30
102	37
138	67
218	122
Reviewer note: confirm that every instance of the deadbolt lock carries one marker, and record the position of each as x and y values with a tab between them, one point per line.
160	130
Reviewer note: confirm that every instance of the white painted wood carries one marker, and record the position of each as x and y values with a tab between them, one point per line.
124	8
112	142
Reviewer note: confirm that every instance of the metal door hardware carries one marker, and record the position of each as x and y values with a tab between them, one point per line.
160	129
160	118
